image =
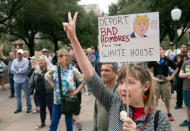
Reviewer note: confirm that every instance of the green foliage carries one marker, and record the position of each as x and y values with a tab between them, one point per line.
28	19
164	8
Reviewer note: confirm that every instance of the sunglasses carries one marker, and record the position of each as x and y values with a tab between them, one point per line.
60	56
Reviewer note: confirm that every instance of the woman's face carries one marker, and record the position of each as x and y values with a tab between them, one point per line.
61	58
136	91
32	61
42	62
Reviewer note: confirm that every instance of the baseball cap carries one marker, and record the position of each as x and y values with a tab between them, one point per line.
45	50
20	51
172	43
92	47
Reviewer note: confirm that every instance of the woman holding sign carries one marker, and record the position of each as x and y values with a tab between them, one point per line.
140	86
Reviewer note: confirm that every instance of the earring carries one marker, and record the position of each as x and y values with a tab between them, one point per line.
144	97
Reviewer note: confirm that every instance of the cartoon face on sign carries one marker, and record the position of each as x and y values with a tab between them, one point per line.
140	26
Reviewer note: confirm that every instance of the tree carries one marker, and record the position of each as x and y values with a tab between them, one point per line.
164	8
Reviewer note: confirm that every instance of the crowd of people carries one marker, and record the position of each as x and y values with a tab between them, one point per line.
76	68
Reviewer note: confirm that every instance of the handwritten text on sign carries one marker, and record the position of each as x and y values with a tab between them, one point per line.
129	38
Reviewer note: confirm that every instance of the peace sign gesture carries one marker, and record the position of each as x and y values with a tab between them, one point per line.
70	27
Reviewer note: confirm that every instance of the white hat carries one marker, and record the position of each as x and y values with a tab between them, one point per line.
20	51
32	57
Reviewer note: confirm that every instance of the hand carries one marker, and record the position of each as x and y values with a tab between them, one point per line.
188	77
31	97
178	59
168	78
129	125
1	48
70	27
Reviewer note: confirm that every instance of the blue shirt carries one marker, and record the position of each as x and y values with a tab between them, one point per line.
22	65
2	64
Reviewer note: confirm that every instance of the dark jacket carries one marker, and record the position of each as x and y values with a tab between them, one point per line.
38	82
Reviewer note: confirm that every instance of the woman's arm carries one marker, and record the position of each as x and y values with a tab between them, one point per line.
85	65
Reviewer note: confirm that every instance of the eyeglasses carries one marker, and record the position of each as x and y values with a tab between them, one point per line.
60	56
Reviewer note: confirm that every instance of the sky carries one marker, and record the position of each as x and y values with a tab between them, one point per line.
102	3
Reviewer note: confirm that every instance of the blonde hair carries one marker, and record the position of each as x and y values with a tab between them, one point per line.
142	73
141	18
65	52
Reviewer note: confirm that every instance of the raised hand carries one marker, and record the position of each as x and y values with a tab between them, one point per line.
1	48
70	27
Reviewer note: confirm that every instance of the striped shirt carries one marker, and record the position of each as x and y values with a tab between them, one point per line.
113	103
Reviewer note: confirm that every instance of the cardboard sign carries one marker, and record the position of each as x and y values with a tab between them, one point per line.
129	38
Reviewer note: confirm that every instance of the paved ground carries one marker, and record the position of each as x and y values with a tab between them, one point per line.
27	122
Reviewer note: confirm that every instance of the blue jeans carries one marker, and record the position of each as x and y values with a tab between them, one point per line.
56	115
11	82
18	87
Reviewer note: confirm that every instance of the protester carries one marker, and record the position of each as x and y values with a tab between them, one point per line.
171	53
161	70
91	56
185	74
19	68
47	53
109	72
37	82
2	66
76	115
179	59
140	85
69	76
95	53
9	61
30	72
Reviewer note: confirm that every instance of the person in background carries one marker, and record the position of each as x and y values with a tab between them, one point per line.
26	54
37	83
91	56
179	59
96	54
185	74
140	86
69	77
30	72
160	70
2	66
76	115
19	68
109	72
9	61
171	53
47	53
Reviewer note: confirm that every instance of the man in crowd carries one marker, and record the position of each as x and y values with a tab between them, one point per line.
46	53
91	57
9	61
109	72
95	53
185	74
179	59
160	70
171	53
20	70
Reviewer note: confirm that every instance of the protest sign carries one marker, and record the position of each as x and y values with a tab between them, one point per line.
129	38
